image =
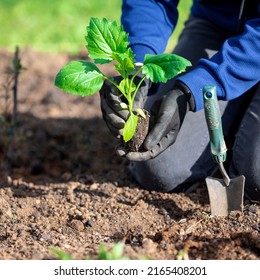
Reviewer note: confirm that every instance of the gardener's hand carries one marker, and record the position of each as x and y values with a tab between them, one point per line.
167	117
113	114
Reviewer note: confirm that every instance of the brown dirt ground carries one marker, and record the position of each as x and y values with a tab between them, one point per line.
66	188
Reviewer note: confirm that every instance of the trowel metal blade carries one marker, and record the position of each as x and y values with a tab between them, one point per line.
224	199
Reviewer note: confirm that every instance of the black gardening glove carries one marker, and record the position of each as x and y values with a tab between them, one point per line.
167	116
113	114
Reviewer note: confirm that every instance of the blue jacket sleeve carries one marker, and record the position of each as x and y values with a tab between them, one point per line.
234	69
144	20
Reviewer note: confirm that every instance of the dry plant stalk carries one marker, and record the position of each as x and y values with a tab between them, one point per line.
7	127
16	71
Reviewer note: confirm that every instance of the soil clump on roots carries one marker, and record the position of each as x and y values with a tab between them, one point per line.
136	143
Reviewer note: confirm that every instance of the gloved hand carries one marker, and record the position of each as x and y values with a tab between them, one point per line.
167	116
110	98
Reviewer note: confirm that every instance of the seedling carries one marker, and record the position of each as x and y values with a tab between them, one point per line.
61	255
116	253
106	42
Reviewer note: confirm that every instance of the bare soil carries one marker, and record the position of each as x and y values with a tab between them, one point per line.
63	186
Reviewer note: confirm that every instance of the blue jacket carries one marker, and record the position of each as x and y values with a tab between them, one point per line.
234	69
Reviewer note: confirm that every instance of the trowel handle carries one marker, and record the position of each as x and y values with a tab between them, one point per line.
213	119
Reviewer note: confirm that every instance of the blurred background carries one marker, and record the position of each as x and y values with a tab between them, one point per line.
59	26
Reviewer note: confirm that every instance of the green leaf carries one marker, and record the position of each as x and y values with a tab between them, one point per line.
162	67
118	250
125	61
125	86
104	38
130	127
103	254
61	255
79	78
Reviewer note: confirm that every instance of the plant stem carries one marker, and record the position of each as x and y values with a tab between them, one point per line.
115	84
133	97
132	80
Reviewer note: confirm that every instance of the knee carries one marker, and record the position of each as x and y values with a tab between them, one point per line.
250	169
160	177
252	183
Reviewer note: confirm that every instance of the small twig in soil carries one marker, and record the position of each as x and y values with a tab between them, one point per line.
192	226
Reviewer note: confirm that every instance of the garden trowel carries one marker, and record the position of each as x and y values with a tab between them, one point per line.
225	194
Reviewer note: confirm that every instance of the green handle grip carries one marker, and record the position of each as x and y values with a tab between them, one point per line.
213	119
